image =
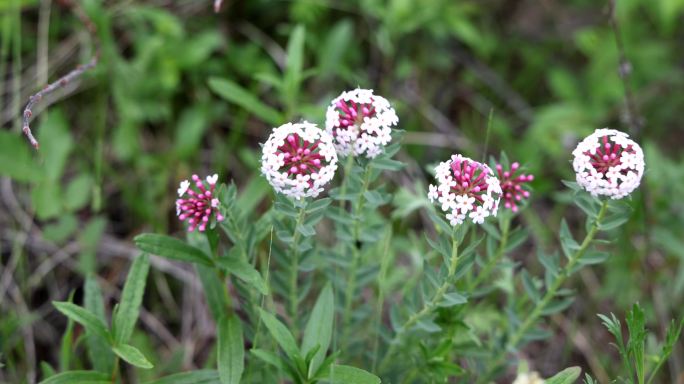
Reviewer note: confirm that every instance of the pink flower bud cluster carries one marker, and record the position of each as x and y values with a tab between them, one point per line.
200	206
360	123
466	189
608	163
298	160
513	185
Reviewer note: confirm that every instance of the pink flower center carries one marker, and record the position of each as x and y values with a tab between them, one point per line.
301	157
470	178
607	155
512	185
352	113
197	209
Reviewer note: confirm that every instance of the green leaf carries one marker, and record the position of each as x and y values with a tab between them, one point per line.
594	257
171	248
529	286
387	164
78	192
129	308
99	352
281	334
318	331
344	374
132	356
214	291
557	306
568	243
245	99
80	377
15	158
204	376
56	144
245	272
452	298
294	63
613	221
267	357
231	350
84	317
306	230
566	376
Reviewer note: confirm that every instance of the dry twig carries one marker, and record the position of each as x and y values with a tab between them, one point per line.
66	79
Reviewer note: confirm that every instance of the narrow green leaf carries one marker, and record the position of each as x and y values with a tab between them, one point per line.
214	291
171	248
245	99
129	308
203	376
281	334
529	286
568	243
566	376
344	374
99	352
83	317
387	164
452	298
613	221
231	350
557	306
80	377
132	356
245	272
318	331
267	357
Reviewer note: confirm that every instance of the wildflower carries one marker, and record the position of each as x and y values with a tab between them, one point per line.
200	205
298	160
360	123
608	163
528	378
465	189
512	185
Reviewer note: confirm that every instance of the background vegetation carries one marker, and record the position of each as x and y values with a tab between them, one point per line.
154	110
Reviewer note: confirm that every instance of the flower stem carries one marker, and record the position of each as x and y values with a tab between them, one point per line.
550	294
294	269
487	270
356	255
428	307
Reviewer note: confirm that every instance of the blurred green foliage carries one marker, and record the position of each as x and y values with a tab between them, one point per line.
179	88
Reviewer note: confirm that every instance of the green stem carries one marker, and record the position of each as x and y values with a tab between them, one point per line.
294	269
428	307
356	254
550	294
487	270
116	369
347	171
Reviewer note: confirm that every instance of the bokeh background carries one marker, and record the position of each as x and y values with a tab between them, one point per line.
115	143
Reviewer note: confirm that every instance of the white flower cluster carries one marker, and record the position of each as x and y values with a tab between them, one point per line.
299	159
608	163
528	378
465	188
360	122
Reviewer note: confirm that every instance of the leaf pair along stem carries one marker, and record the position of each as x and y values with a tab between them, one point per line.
428	307
539	307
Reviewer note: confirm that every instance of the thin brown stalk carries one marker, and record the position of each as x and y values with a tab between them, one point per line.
66	79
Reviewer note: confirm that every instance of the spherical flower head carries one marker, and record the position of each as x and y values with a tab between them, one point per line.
198	205
360	123
608	163
298	160
528	378
465	189
513	185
